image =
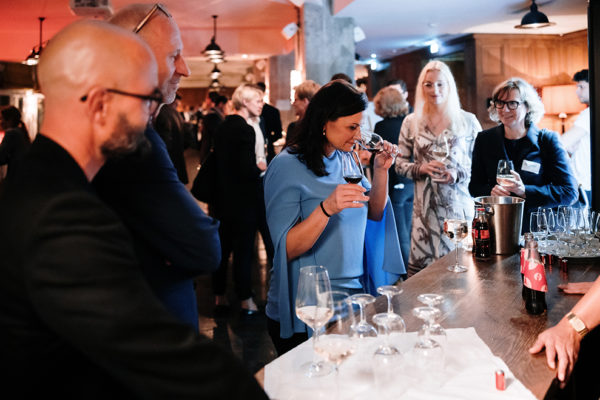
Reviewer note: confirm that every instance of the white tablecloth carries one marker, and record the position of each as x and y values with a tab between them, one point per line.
468	373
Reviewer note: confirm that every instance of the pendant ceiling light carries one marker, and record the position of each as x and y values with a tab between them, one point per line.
534	19
215	73
213	51
36	51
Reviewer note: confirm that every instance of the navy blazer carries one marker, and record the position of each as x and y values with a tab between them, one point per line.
555	183
174	239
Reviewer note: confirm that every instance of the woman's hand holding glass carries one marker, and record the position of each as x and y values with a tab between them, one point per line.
345	196
385	159
516	187
438	172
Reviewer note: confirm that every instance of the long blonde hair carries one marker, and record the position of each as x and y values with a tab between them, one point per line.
451	108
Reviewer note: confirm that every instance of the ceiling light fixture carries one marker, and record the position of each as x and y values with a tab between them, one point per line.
534	19
215	73
213	51
36	51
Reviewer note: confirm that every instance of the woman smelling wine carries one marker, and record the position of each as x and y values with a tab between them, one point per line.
315	217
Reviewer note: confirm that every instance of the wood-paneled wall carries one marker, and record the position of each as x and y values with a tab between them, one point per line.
539	59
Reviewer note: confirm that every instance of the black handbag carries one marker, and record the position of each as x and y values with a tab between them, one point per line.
205	184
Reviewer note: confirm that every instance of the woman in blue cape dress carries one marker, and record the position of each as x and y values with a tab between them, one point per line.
316	218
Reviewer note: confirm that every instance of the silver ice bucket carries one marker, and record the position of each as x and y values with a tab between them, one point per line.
505	217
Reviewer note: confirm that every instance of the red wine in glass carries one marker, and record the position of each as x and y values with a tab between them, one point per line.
353	179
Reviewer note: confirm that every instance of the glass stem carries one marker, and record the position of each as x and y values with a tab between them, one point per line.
362	314
314	343
389	296
457	249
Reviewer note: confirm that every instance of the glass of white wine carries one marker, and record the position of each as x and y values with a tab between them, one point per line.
314	307
440	150
456	229
503	175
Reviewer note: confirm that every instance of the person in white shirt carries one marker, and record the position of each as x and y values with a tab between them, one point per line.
577	139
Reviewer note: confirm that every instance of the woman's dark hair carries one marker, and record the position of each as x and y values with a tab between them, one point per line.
336	99
11	118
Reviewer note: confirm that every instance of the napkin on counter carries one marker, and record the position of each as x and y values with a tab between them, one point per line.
468	373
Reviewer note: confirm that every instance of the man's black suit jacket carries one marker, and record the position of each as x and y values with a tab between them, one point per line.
77	319
271	120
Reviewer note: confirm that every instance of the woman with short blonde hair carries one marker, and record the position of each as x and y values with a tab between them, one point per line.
542	174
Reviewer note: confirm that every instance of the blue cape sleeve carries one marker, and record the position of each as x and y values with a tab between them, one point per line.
383	261
282	201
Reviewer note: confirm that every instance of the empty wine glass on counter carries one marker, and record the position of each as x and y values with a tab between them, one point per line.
351	169
436	331
456	229
428	353
314	307
503	175
538	226
362	328
387	359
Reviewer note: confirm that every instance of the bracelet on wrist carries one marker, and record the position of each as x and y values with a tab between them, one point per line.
323	209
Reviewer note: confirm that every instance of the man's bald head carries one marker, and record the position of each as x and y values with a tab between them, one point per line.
99	82
89	53
161	33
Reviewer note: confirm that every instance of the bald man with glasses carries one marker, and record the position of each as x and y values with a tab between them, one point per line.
77	317
174	240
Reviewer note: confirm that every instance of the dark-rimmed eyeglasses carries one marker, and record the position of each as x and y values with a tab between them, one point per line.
153	100
144	21
512	104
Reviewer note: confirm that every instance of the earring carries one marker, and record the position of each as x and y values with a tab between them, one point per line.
323	132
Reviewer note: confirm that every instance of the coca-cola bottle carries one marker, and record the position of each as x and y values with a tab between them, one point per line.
528	236
534	278
474	232
483	242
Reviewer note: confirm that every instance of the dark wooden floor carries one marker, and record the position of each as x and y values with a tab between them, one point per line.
245	337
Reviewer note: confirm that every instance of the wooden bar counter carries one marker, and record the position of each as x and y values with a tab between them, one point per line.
488	298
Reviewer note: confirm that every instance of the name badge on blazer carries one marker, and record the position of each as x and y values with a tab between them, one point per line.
531	166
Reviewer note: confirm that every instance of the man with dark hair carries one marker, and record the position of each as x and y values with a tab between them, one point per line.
174	240
577	140
270	120
77	317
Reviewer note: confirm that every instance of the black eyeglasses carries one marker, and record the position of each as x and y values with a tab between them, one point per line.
156	7
512	104
153	99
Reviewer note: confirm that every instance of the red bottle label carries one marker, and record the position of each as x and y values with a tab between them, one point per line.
475	234
484	234
535	276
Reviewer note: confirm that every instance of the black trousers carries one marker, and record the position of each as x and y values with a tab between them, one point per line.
237	237
284	345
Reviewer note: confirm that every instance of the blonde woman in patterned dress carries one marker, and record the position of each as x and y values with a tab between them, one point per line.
441	187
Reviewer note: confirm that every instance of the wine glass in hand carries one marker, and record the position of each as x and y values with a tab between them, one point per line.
440	150
503	175
373	143
351	169
314	307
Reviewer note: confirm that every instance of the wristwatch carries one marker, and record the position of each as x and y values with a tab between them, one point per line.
577	324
